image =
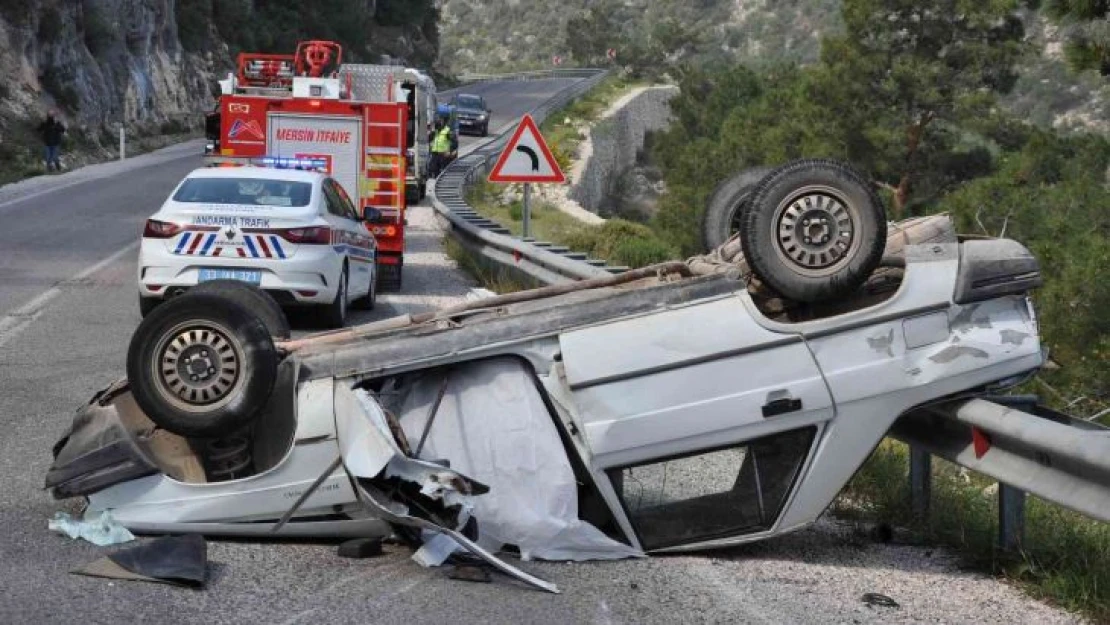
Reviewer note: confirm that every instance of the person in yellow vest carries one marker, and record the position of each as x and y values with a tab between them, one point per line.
444	145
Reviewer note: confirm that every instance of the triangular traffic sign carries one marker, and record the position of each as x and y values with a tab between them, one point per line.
526	157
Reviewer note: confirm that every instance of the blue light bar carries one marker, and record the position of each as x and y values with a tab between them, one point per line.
285	162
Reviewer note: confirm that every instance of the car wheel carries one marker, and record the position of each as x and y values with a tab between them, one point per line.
335	313
726	206
253	299
368	301
148	304
201	365
814	230
485	129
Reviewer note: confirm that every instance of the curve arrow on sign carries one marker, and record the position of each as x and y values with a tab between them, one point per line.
531	154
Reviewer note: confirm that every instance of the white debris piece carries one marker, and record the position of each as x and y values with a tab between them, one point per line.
493	426
100	530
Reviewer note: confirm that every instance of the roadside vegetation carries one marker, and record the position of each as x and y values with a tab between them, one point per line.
563	129
618	241
1065	554
493	278
22	156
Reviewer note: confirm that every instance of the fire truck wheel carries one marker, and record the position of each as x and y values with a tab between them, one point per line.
253	299
814	230
334	315
201	365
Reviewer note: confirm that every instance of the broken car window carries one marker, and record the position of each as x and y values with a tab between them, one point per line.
712	494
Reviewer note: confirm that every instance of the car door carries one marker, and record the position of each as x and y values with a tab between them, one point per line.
699	419
356	242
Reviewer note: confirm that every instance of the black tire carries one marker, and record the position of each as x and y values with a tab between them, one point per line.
214	331
334	315
844	236
253	299
389	276
368	301
725	210
148	304
412	194
485	129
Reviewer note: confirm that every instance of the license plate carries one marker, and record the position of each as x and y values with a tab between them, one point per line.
245	275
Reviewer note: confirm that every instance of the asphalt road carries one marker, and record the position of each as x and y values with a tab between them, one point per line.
67	310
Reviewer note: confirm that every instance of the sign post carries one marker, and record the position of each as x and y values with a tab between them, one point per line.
526	159
526	211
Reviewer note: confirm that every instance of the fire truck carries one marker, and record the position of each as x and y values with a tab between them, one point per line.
393	83
306	105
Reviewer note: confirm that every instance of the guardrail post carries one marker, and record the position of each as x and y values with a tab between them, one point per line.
526	212
921	482
1011	518
122	143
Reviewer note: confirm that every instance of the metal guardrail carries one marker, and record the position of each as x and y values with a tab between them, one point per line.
543	261
570	72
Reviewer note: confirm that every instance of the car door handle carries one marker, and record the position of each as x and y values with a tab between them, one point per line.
781	406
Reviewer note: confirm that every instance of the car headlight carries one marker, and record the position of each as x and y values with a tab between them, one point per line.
481	118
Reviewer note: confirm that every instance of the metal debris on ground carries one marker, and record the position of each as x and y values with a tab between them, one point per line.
360	548
874	598
174	560
470	573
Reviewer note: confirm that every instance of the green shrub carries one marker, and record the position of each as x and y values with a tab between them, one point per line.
641	252
614	232
173	127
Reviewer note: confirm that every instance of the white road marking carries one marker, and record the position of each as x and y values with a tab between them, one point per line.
15	322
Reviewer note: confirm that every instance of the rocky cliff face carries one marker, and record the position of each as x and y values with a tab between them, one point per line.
100	63
152	64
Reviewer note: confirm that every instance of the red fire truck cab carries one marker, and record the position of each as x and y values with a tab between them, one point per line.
299	106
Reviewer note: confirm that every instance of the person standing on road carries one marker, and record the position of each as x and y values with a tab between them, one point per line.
51	131
442	143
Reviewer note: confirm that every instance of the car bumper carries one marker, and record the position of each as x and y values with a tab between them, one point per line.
311	276
471	124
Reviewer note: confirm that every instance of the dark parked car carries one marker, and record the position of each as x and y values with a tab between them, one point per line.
472	112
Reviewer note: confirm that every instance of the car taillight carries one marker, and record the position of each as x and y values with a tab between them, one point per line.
383	231
155	229
316	235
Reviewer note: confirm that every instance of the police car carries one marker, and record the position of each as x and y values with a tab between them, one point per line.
280	224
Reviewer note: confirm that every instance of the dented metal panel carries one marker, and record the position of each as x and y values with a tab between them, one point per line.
666	382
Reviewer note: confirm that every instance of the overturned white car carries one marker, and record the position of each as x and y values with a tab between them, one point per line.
657	410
